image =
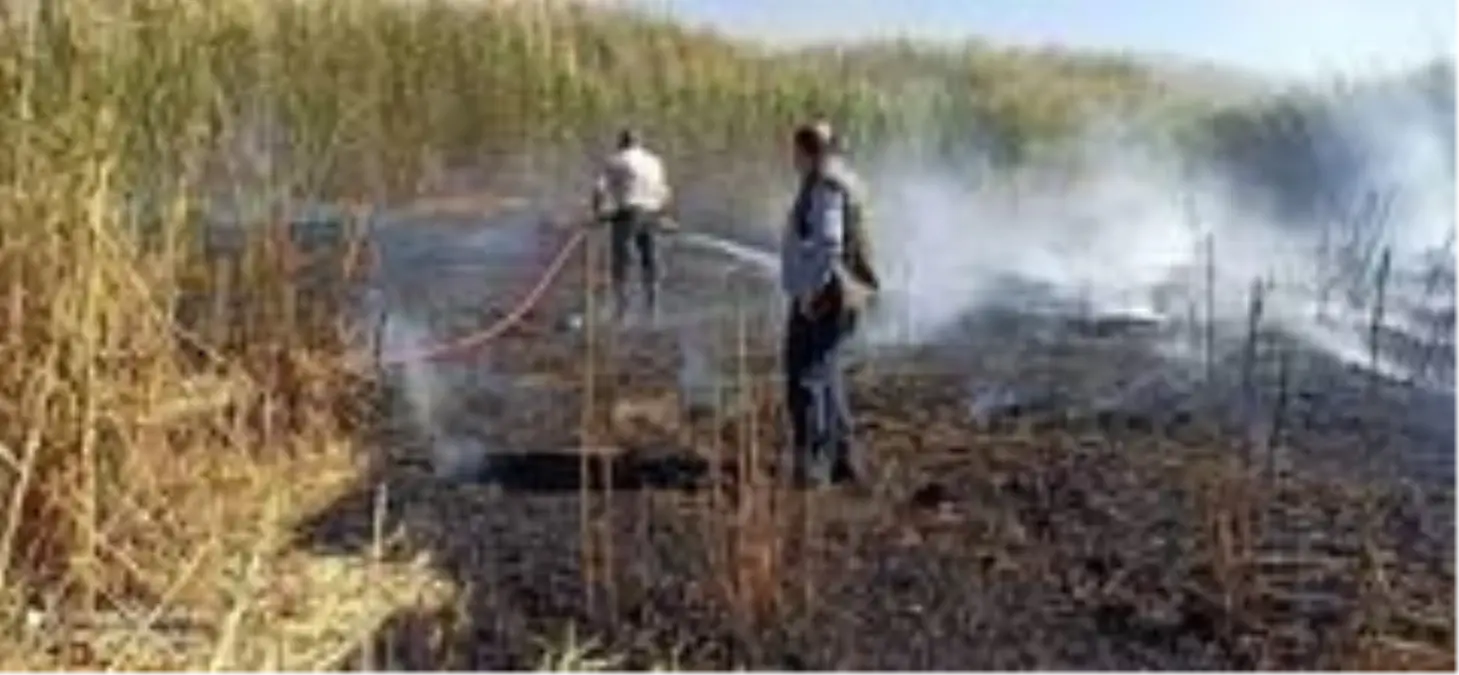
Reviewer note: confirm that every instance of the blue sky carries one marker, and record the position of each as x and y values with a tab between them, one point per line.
1278	37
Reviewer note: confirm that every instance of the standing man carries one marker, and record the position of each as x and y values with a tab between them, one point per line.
827	276
631	194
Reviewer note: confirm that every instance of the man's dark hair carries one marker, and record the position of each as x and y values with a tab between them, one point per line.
628	138
815	139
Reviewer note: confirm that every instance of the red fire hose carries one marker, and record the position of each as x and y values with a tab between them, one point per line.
476	339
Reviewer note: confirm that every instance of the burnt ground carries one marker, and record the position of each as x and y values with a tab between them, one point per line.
1040	533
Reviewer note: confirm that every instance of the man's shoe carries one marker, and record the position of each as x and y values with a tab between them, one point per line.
800	480
845	473
809	477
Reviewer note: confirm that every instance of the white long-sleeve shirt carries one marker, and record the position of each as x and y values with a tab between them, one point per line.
634	177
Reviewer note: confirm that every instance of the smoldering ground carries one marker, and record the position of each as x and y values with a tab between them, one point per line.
513	555
1204	248
1122	226
1127	228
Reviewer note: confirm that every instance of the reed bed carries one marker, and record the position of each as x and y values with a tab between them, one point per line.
168	410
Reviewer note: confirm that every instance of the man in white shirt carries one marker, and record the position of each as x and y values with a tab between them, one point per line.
631	195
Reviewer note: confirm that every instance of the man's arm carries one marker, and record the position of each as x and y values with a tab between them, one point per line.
661	194
599	186
666	195
660	177
601	195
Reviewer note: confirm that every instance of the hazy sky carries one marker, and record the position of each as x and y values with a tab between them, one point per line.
1279	37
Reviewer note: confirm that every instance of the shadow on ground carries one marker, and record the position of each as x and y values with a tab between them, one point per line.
557	472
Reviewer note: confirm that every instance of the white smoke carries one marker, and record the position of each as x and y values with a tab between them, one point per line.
428	393
699	384
1121	223
434	267
1104	235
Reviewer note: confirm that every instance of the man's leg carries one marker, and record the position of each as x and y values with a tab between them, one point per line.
845	466
798	401
648	261
620	233
824	413
830	416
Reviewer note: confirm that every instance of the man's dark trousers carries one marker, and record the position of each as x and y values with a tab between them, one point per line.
633	232
820	411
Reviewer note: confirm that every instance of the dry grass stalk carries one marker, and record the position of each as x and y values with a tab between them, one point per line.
587	426
1209	343
1251	356
758	527
1227	506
